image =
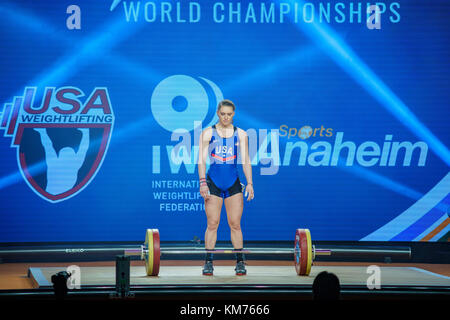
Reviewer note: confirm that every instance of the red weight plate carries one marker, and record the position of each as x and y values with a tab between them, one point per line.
156	252
304	252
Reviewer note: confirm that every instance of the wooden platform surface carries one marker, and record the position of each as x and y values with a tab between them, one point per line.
13	276
257	275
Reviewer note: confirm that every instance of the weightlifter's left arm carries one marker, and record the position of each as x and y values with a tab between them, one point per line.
246	164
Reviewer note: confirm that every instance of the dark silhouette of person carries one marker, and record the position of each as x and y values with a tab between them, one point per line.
326	286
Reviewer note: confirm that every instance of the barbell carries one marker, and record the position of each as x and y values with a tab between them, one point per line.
304	252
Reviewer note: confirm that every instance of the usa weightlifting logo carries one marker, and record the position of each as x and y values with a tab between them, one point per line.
61	142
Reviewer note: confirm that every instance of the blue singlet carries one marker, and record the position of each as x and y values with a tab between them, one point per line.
223	158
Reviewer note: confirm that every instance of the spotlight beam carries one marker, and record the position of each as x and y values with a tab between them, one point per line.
72	63
348	60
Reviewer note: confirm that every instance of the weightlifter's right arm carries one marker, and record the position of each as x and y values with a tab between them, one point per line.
202	157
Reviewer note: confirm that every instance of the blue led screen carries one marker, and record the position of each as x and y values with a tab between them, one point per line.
345	104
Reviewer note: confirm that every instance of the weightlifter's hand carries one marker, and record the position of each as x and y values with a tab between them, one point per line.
204	191
249	193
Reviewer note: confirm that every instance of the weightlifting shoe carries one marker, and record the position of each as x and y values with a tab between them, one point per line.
208	268
240	268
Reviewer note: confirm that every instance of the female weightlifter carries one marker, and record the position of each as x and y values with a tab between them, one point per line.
221	143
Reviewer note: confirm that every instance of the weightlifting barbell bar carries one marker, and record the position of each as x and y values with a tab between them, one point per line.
304	252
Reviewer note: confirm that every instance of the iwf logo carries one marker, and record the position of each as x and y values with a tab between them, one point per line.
179	100
60	144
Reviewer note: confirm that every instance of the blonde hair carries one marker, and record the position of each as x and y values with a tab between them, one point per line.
226	103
